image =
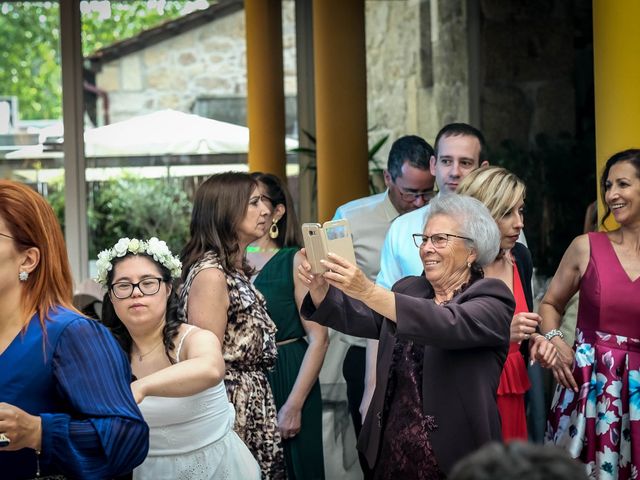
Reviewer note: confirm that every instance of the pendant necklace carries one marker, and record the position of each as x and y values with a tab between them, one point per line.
142	355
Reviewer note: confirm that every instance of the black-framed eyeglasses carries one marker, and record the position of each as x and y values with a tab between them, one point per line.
426	195
5	235
439	240
147	286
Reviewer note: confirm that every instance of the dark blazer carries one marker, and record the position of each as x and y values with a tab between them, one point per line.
465	346
522	256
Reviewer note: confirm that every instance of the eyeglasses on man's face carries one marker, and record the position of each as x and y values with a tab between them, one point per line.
439	240
425	195
147	286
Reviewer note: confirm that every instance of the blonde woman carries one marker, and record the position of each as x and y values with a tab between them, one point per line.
503	193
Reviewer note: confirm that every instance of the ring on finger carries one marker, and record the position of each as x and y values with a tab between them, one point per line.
4	440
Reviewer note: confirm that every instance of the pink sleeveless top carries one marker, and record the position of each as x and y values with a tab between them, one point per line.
609	300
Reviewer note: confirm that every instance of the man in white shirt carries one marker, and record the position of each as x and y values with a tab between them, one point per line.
410	185
460	149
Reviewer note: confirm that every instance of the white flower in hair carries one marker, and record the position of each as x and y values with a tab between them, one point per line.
121	247
157	249
134	246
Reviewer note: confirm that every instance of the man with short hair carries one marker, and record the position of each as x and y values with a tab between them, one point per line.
410	185
460	149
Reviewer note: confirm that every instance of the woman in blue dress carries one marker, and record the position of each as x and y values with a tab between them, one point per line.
66	407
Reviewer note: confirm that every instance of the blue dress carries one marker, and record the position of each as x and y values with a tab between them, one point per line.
77	381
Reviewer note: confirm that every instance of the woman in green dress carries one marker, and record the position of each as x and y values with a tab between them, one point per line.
301	344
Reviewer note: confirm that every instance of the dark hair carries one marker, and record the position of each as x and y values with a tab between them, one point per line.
289	233
518	460
633	157
173	318
219	206
457	129
412	149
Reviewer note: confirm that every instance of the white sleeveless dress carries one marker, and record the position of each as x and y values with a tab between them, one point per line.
192	438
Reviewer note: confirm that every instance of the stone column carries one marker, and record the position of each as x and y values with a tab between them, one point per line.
265	87
341	103
616	52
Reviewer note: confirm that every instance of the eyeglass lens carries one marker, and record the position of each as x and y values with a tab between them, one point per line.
148	286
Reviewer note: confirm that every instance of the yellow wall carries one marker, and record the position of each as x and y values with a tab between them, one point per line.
616	42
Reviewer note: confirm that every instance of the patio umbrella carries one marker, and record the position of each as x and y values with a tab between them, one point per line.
165	132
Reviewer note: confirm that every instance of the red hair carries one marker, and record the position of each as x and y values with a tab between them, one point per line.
32	223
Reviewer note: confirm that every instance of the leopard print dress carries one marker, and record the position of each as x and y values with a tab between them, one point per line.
249	350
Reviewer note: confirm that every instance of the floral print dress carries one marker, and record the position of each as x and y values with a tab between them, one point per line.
600	425
249	351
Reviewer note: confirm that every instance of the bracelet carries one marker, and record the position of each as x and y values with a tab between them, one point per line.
553	333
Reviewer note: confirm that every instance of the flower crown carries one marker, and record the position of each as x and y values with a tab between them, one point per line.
153	247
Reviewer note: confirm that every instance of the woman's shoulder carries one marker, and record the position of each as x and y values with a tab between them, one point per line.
521	253
412	285
75	327
60	318
487	286
209	259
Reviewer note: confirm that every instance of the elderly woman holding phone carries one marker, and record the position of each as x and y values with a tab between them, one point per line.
444	337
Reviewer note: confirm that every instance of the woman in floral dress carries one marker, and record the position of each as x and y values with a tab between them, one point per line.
228	214
596	409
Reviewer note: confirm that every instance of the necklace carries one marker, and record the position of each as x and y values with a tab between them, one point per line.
142	355
256	249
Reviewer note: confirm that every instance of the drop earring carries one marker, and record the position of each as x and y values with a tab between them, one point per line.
23	276
274	231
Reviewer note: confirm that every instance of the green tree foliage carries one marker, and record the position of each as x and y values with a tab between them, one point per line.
30	55
30	58
133	207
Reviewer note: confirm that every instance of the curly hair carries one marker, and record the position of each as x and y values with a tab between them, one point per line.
173	316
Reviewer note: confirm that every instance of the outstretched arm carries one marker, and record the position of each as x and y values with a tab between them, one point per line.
200	367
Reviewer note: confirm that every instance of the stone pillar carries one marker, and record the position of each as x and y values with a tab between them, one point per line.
341	103
616	50
265	87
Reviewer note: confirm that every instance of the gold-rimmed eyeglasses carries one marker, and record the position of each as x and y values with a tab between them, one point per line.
5	235
439	240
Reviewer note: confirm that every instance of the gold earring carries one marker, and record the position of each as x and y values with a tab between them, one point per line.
274	231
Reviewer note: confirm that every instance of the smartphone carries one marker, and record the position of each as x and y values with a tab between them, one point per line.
333	236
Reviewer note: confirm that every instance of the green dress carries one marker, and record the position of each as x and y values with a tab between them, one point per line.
303	453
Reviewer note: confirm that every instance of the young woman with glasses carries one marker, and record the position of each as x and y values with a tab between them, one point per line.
178	368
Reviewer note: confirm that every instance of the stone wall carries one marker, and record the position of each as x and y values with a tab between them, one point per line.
527	68
504	66
417	67
208	61
501	65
